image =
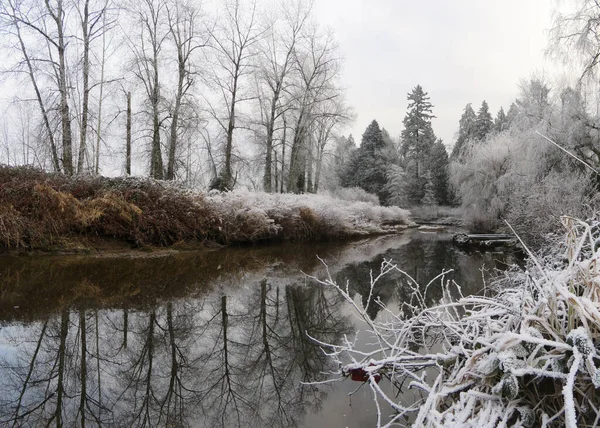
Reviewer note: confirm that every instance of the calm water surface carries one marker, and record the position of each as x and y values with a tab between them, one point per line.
212	339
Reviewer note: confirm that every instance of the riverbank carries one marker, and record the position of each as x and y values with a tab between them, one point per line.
54	213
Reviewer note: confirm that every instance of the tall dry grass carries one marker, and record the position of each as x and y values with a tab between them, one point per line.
47	211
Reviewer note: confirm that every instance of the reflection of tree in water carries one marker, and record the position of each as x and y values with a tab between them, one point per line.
264	355
224	361
52	379
422	259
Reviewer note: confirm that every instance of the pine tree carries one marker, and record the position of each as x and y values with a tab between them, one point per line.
466	131
439	173
396	186
417	140
512	114
429	191
501	121
367	167
484	124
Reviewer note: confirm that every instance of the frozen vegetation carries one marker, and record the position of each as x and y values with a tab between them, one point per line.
268	214
51	211
523	353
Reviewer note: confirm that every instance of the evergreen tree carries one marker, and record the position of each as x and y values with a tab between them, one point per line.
367	167
417	140
484	123
429	191
396	186
501	121
511	116
439	173
466	131
372	139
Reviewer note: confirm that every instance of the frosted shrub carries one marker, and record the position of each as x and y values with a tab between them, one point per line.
518	176
290	215
354	194
527	356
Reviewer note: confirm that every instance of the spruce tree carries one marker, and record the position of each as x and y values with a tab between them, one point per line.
484	124
429	191
501	121
367	167
439	173
417	140
466	131
512	114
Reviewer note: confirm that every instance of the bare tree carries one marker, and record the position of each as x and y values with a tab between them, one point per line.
277	60
147	48
93	25
16	14
233	44
183	17
317	65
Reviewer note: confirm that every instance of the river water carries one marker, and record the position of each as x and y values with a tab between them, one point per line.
202	339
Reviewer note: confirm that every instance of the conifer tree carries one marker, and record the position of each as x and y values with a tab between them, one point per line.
466	131
501	121
484	124
511	115
429	191
418	139
367	167
439	173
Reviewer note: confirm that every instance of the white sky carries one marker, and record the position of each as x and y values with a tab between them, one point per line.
460	51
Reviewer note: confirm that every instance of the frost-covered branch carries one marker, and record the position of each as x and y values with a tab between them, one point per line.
526	357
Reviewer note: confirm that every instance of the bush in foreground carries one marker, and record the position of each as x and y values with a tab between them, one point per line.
527	356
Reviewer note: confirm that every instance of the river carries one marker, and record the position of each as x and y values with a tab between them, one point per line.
202	339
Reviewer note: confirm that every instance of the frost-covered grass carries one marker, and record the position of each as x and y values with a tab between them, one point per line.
51	211
527	355
299	216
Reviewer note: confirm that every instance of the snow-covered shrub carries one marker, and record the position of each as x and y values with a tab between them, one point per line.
527	356
353	194
303	216
517	176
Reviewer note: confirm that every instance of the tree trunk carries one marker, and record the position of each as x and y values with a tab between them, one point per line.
100	99
297	166
128	137
283	139
175	119
86	89
65	115
156	162
227	176
267	178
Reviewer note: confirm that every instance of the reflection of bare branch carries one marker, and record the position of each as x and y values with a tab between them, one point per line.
29	373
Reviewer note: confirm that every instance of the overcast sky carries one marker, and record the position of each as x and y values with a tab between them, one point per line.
460	51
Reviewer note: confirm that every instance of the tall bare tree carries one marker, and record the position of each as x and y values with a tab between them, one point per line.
183	26
147	47
276	65
233	42
30	23
93	25
317	65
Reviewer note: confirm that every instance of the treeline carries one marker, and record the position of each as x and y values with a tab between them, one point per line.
536	164
410	171
209	94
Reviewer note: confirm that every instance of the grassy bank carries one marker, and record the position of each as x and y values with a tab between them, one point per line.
41	211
